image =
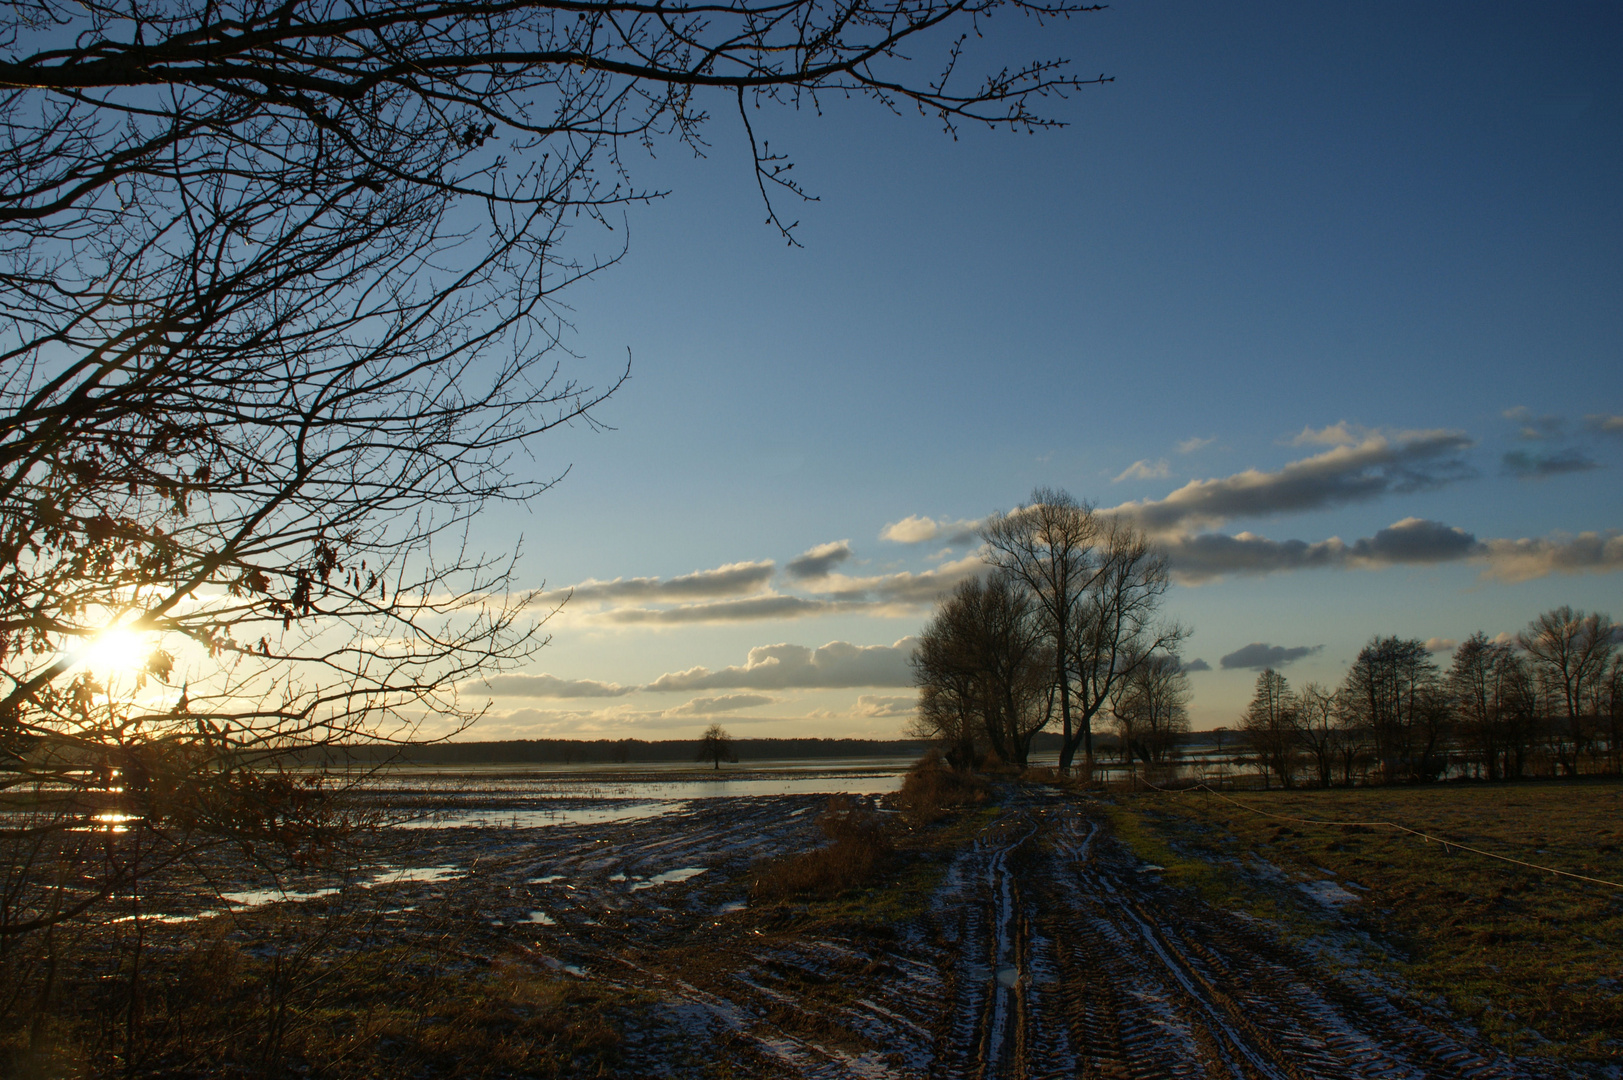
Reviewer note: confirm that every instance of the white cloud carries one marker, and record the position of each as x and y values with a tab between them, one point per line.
919	530
1193	443
708	706
1609	425
839	664
881	707
1535	427
1440	644
1340	433
562	724
1144	469
903	588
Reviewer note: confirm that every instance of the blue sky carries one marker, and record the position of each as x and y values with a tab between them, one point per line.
1382	242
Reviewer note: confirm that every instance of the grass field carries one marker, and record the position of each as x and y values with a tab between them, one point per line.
1533	959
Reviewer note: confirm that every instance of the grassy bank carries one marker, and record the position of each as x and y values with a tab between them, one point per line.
1531	958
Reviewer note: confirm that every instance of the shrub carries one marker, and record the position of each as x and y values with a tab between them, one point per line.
857	852
931	790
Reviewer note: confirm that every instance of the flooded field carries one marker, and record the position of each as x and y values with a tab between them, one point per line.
1019	938
504	798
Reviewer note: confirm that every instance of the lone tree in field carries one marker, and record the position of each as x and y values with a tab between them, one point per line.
715	746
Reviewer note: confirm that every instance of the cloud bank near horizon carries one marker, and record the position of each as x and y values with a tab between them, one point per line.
1360	466
1207	557
1356	464
528	686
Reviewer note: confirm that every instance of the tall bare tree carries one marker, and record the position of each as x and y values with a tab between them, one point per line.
1609	706
1099	584
1150	708
1115	628
1269	725
1491	691
278	318
984	672
1395	693
1570	651
1048	546
1316	729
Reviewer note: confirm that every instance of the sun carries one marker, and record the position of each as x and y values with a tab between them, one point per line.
117	651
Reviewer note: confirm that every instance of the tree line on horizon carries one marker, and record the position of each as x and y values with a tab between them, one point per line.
1548	701
1064	630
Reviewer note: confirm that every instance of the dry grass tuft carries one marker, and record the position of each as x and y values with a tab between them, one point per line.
374	1008
932	791
857	852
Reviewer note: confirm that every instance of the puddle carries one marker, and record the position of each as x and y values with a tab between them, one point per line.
732	908
407	874
165	917
1008	976
1327	893
110	821
258	897
721	788
668	877
542	918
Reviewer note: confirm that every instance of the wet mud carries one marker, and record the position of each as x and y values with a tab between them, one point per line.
1041	947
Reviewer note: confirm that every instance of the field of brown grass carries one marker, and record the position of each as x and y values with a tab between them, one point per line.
1529	957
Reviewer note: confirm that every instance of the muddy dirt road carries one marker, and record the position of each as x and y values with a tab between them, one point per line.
1044	949
1072	960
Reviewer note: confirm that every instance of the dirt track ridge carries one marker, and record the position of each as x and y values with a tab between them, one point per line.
1120	977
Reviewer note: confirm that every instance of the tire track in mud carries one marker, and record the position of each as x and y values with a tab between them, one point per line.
981	912
770	1002
1047	951
1155	983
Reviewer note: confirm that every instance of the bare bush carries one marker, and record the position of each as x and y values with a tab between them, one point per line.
932	790
857	852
